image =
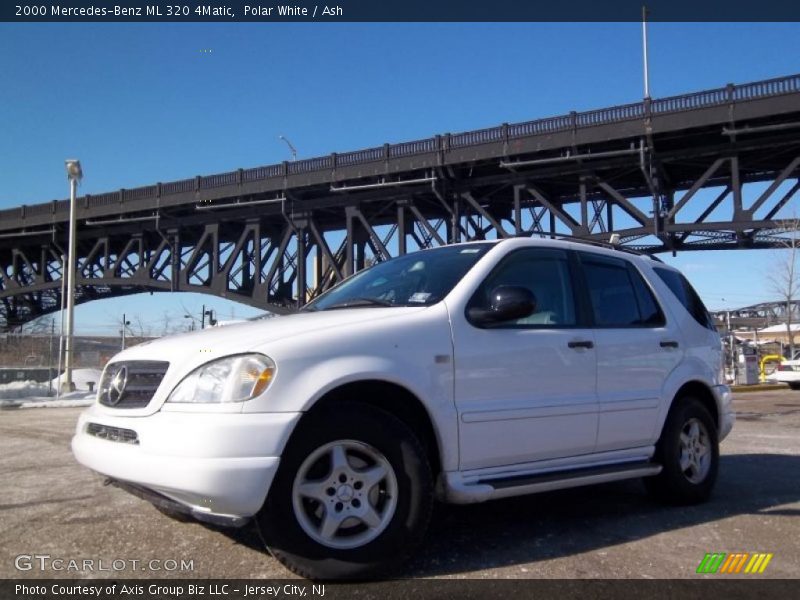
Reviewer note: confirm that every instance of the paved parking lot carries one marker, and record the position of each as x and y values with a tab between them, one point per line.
51	506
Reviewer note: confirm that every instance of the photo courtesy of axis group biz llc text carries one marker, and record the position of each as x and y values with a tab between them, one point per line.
168	589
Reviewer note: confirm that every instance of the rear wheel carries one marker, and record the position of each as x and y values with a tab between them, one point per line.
352	497
688	451
795	385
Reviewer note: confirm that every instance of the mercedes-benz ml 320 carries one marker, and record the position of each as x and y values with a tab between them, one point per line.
460	374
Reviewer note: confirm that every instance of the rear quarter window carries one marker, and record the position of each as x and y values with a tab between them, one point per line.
686	295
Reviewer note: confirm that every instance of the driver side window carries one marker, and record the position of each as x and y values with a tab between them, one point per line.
546	273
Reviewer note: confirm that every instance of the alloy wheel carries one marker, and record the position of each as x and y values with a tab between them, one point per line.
344	494
695	447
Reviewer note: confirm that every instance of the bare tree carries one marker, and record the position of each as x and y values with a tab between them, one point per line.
142	329
174	322
784	278
38	326
194	322
167	327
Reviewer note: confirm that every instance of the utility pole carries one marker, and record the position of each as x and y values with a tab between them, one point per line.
731	345
125	324
203	318
61	330
50	358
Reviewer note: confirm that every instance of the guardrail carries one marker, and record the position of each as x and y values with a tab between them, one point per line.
440	143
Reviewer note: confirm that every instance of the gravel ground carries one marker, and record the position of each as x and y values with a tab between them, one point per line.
52	506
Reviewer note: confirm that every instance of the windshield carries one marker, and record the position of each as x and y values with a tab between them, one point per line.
418	279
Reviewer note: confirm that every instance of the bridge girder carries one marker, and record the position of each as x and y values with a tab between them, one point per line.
275	241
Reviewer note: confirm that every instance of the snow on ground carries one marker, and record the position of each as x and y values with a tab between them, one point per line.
32	394
81	379
22	389
65	401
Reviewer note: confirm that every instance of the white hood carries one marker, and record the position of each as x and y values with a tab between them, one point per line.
187	351
242	337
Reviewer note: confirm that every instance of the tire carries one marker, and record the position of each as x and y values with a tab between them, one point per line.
688	451
794	385
348	465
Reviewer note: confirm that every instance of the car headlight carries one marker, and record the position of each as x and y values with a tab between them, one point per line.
232	379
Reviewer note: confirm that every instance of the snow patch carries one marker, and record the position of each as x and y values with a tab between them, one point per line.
81	379
44	402
22	389
33	394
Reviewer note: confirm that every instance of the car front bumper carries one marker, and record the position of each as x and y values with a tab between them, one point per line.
219	466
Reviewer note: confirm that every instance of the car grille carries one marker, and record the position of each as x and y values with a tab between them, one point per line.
113	434
131	384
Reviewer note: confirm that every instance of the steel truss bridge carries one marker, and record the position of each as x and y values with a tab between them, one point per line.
666	174
758	316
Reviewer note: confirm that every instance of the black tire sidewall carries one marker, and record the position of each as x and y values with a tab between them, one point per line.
390	436
676	484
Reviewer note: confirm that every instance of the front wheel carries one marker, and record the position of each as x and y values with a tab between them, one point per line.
794	385
688	451
352	497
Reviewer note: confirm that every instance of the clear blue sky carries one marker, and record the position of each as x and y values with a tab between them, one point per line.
143	103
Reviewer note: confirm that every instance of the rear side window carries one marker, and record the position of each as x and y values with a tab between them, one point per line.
648	307
686	295
618	295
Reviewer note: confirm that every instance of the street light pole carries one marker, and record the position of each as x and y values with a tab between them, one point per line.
291	146
50	358
125	324
74	174
731	345
644	53
61	327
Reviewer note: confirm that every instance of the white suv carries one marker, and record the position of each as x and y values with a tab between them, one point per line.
463	373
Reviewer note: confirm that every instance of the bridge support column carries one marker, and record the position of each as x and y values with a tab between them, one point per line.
302	284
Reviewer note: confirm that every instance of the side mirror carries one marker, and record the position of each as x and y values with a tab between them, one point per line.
506	303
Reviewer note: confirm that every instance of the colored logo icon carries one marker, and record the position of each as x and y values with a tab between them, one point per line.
741	562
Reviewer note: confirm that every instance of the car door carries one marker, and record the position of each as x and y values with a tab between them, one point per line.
636	349
525	389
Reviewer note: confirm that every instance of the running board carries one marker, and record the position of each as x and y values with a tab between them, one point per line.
460	492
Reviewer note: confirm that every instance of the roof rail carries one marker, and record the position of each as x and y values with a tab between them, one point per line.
598	243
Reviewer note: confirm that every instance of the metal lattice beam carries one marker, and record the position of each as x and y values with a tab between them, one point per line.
667	175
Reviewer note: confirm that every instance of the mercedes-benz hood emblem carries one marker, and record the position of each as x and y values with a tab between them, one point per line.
117	387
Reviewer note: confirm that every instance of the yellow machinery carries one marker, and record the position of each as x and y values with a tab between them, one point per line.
768	358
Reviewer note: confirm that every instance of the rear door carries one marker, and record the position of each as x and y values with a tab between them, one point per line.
636	348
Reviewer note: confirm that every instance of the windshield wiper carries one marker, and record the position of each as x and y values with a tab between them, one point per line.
359	303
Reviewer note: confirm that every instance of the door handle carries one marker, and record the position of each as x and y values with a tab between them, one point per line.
581	344
668	344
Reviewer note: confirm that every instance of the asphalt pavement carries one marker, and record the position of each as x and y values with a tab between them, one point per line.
51	506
